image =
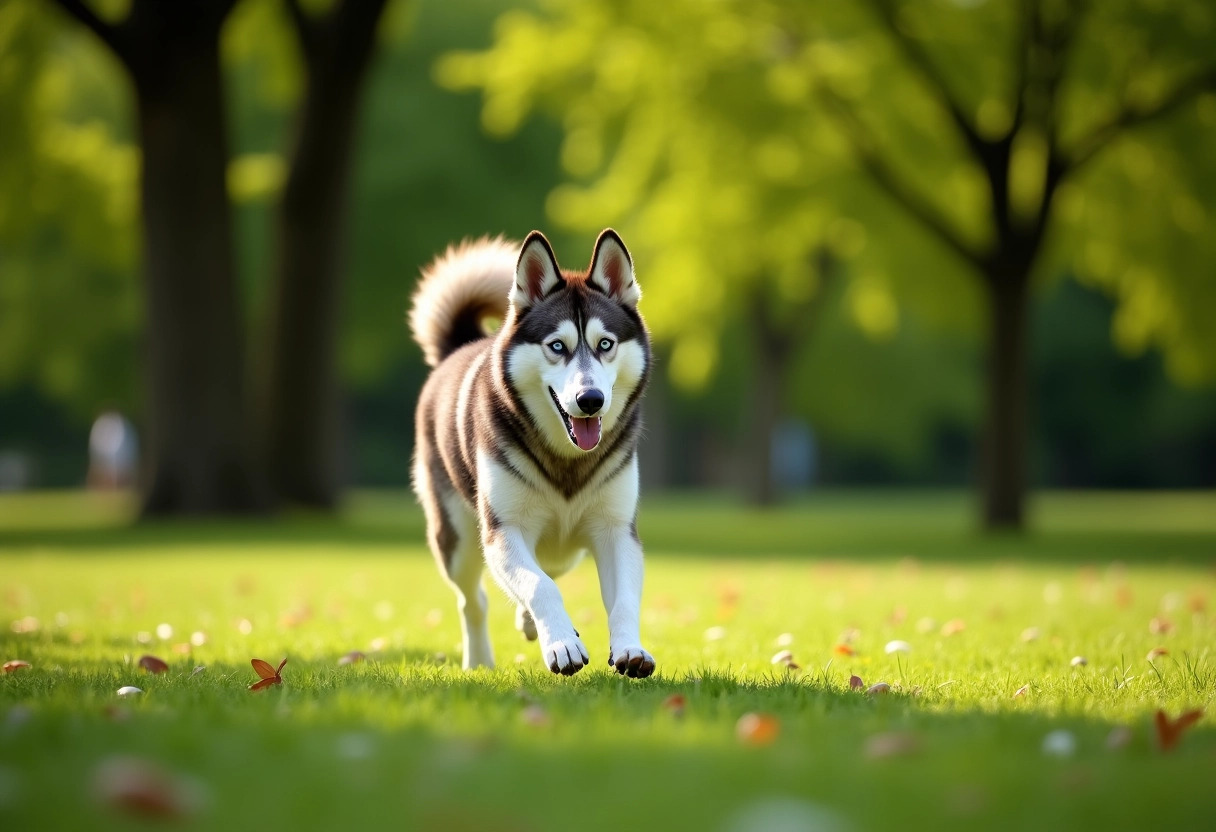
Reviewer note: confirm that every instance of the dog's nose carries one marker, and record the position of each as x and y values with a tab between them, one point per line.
590	400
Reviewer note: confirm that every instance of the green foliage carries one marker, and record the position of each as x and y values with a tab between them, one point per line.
727	140
406	735
69	303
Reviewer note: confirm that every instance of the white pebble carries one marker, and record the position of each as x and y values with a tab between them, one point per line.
128	690
898	646
1059	744
1079	661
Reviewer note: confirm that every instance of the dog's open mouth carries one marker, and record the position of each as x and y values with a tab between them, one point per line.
583	432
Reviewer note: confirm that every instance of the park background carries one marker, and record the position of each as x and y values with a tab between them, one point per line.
807	191
916	271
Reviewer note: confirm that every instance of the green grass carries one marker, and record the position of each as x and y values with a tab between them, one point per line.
408	740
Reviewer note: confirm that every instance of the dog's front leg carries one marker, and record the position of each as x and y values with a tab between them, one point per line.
618	559
514	566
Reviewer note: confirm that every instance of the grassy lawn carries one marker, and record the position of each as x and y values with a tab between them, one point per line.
406	739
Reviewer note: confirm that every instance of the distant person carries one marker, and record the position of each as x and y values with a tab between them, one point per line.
113	452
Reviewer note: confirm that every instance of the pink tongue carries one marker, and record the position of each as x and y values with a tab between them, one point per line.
586	432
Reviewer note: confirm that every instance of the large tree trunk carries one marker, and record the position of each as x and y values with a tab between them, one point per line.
198	436
770	360
303	419
1005	422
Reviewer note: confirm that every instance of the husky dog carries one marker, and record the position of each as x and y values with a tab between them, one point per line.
526	443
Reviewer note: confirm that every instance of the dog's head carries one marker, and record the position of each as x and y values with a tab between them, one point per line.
576	351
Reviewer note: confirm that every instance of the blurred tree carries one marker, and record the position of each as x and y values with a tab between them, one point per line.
199	444
725	138
303	436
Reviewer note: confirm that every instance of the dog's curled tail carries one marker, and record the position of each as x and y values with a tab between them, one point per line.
458	291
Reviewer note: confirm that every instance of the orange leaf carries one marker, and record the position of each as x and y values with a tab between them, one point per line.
270	675
843	650
757	729
153	664
15	665
675	703
1170	731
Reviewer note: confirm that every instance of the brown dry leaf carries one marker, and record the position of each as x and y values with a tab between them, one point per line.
270	675
855	683
1123	596
675	704
141	787
1022	691
893	744
153	664
1156	652
15	665
757	729
953	626
1170	731
353	657
535	715
1160	626
878	689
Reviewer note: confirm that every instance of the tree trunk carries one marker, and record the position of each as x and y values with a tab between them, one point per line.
771	353
303	418
198	436
1005	422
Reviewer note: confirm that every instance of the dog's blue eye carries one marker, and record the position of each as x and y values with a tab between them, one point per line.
605	344
557	346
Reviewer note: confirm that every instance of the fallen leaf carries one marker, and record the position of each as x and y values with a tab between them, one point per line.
855	683
1170	731
142	787
1197	603
153	664
1160	626
1155	653
1079	661
953	627
1022	691
675	704
784	657
1123	596
1119	738
878	689
535	716
198	669
844	650
353	657
892	744
15	665
270	675
757	729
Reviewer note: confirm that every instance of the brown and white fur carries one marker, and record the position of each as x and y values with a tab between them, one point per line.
526	446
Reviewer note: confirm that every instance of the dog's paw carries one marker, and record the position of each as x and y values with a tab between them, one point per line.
566	656
524	623
633	662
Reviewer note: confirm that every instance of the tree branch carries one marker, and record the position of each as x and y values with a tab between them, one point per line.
112	36
1128	119
883	175
916	54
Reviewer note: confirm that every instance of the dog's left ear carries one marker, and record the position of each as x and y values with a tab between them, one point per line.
612	269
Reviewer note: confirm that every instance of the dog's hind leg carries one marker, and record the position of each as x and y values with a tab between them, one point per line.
524	622
457	545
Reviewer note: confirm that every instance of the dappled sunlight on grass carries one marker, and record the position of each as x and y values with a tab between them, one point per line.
743	629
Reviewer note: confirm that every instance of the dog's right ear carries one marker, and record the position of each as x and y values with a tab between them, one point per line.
536	273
